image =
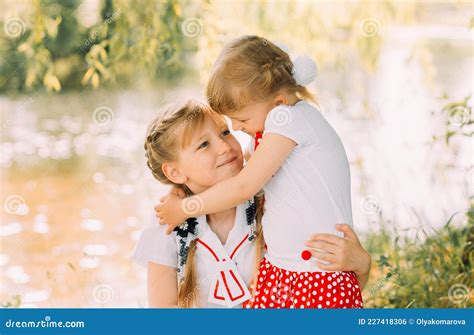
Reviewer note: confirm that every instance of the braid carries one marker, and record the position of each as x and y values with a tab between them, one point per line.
277	72
168	132
155	151
166	135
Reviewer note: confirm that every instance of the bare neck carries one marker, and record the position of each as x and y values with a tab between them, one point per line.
221	223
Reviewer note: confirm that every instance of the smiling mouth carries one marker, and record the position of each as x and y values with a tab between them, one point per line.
230	160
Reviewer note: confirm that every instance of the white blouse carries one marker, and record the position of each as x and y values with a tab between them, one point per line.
311	191
223	272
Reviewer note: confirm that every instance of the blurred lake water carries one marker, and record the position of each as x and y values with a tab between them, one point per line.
76	189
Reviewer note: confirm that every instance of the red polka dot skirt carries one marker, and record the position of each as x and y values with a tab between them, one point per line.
279	288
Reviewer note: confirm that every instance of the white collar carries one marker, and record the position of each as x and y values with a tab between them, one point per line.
236	234
227	286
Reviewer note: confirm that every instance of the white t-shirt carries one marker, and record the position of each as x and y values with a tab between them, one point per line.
310	193
214	290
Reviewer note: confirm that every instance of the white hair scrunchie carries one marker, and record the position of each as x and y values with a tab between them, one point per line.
304	70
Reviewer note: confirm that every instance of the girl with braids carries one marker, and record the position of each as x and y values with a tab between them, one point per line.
300	163
209	261
189	147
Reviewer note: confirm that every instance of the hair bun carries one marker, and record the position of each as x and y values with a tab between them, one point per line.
304	70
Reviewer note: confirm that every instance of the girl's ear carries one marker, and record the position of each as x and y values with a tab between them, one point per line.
280	99
173	173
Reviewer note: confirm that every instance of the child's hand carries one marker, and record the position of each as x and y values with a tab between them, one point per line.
177	191
170	212
345	254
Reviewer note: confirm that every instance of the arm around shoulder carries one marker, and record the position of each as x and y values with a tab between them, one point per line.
262	165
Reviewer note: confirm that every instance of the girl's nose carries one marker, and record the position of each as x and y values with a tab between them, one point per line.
223	147
236	125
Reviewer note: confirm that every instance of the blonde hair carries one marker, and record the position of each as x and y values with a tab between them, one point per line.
171	131
248	70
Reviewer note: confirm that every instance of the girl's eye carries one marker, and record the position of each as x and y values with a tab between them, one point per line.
203	145
226	132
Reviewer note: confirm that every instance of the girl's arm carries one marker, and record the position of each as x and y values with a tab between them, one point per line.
162	286
271	153
345	254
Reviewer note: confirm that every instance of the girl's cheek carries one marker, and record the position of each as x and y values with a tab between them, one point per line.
206	160
236	146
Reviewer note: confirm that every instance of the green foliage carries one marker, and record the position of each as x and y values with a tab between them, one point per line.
432	271
459	118
14	302
129	42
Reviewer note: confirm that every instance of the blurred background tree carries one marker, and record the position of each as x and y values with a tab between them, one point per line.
70	44
46	46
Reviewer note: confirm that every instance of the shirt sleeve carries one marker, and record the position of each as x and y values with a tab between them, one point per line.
155	246
251	145
288	121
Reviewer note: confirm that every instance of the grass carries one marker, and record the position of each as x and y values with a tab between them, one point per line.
433	272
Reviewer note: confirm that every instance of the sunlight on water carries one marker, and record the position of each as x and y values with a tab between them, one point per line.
36	296
4	259
92	225
95	249
17	274
40	224
10	229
